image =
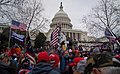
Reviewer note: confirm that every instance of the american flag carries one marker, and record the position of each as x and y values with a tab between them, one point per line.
108	34
111	36
18	25
55	36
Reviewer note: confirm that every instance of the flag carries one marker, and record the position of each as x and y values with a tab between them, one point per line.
110	35
32	60
62	37
18	36
18	25
55	36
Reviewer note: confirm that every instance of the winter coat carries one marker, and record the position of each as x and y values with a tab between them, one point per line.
5	69
62	64
43	68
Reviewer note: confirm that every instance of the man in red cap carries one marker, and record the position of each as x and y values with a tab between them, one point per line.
43	66
55	61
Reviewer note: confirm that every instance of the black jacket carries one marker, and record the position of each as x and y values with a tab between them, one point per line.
5	69
43	68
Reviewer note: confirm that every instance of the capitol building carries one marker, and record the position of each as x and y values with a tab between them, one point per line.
62	19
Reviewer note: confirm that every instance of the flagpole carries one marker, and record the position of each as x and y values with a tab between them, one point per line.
26	40
26	36
9	37
59	36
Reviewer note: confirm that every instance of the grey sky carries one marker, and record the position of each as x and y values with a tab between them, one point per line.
75	9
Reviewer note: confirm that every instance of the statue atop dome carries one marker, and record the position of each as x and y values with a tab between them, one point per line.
61	7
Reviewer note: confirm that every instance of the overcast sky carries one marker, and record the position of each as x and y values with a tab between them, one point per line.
75	9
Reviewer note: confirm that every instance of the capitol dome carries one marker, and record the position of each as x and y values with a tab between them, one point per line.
62	19
61	13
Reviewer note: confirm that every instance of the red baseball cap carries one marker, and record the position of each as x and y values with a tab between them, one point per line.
43	56
55	58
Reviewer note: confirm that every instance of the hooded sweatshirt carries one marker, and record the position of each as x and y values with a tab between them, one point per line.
43	68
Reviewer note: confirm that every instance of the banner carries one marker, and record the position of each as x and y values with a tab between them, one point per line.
62	37
18	36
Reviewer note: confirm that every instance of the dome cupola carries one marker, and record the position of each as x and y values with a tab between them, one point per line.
62	18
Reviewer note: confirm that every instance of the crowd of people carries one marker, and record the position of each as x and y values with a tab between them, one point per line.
16	60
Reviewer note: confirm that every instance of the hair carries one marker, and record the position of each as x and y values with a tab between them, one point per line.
110	70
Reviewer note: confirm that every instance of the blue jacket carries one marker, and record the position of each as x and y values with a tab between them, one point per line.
43	68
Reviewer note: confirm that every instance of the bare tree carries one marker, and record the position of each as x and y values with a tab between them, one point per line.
7	7
102	16
25	11
32	14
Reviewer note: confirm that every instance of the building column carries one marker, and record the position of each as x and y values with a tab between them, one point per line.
72	36
69	34
76	37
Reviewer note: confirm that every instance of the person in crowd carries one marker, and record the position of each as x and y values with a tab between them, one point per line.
73	65
5	58
95	51
25	68
64	62
14	62
22	56
117	56
80	67
102	63
5	67
43	66
55	61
